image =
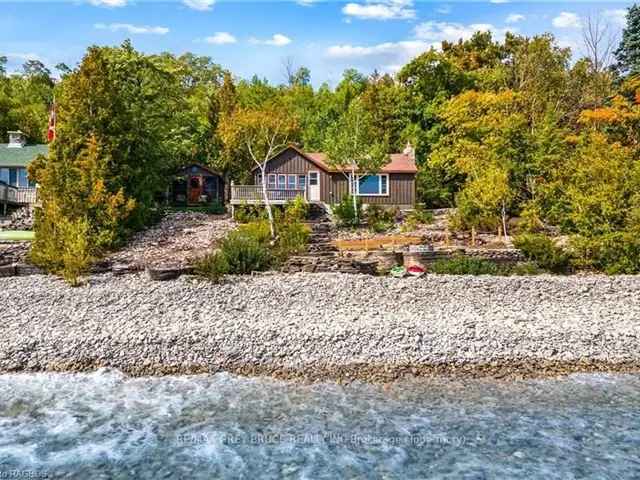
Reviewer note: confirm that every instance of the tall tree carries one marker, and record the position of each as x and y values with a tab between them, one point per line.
259	134
628	53
353	148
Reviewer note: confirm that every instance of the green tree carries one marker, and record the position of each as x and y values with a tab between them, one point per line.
353	148
628	53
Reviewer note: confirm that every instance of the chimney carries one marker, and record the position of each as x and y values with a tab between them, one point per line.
16	139
409	151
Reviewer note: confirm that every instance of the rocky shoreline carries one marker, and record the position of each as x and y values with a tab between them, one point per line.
324	326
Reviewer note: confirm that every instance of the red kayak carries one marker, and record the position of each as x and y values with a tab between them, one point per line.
416	270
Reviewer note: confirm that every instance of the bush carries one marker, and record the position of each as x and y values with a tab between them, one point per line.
292	239
614	253
258	231
216	208
213	267
245	254
249	213
296	210
418	216
521	269
344	212
541	250
379	218
465	266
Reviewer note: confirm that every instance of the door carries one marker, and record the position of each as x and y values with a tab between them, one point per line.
195	189
313	187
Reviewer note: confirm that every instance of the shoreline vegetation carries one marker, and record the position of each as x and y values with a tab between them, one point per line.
287	327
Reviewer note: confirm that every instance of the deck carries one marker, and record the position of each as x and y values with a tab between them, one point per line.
16	196
252	195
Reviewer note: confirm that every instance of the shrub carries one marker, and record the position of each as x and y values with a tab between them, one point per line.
213	266
465	266
344	212
216	208
614	253
418	216
296	210
379	218
292	239
76	255
249	213
541	250
245	254
258	231
521	268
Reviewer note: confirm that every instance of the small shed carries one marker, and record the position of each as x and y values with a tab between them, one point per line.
197	185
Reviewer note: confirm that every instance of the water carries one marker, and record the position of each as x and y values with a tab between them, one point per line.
105	425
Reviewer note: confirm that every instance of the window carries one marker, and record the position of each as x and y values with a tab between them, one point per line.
13	177
271	181
302	181
22	178
4	175
373	185
291	182
313	179
282	182
259	179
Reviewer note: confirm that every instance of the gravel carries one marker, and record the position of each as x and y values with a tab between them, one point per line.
323	325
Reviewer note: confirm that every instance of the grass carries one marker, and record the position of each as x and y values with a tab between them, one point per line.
17	235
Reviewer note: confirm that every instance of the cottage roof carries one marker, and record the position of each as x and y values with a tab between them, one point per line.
20	157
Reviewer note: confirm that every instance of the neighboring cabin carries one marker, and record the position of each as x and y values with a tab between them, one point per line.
197	185
15	186
294	172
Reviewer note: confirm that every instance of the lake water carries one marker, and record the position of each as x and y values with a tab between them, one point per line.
106	425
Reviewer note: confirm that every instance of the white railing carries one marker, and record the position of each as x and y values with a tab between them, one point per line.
17	195
252	194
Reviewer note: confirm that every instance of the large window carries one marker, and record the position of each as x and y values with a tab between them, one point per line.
302	181
271	181
373	185
291	182
282	182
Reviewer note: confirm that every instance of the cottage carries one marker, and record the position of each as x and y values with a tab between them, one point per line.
197	185
294	172
15	186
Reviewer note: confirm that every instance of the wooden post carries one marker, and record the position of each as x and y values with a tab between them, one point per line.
473	236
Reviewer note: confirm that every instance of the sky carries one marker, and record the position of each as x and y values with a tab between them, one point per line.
257	37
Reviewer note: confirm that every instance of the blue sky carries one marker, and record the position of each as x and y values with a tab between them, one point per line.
255	37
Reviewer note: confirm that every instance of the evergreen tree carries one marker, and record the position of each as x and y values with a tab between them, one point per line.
628	53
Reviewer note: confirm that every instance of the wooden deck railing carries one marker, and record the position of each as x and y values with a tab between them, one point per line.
17	195
252	194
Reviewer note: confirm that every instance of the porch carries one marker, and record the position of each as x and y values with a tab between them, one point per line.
252	195
16	196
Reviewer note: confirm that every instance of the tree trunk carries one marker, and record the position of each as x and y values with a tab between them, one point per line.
267	205
504	220
353	197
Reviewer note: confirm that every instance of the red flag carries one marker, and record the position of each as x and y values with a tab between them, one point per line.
51	132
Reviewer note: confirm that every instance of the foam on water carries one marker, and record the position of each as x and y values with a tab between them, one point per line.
106	425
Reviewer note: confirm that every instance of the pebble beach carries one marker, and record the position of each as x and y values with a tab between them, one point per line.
323	326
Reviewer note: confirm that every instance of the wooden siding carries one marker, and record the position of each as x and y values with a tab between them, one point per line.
334	186
402	190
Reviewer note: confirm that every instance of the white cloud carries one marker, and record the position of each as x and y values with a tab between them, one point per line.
277	40
515	18
618	16
381	10
221	38
108	3
305	3
201	5
391	55
567	20
452	32
499	1
132	29
444	10
23	56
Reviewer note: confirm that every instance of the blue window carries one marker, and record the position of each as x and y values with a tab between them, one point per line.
282	182
4	175
291	182
373	185
22	178
302	181
13	177
271	181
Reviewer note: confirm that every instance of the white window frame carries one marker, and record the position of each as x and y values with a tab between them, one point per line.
271	185
295	182
379	175
284	183
301	185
